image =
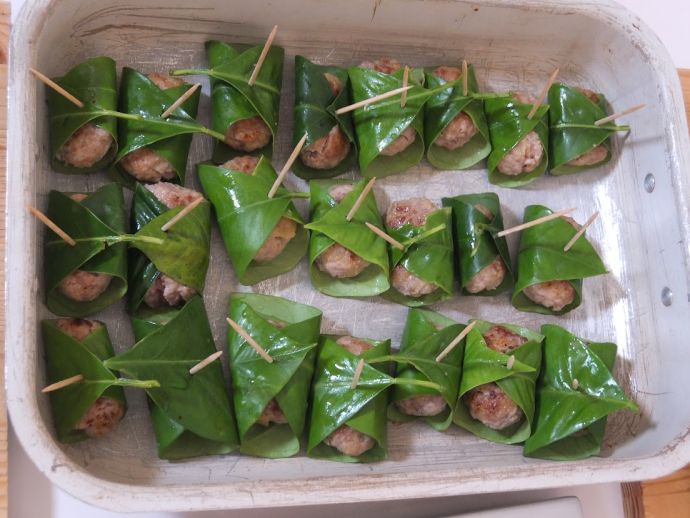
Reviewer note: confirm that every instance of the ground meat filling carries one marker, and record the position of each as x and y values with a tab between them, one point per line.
488	278
492	407
164	81
327	151
243	164
503	340
105	413
172	195
272	414
426	405
248	134
527	153
337	261
590	94
85	147
277	240
346	439
83	286
591	157
410	212
554	295
485	210
461	129
383	65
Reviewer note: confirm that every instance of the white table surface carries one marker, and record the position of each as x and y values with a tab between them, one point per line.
32	495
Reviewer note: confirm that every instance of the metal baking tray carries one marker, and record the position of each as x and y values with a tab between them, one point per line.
642	235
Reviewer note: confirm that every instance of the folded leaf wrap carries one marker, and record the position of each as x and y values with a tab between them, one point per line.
329	226
191	412
95	223
508	125
425	336
439	112
571	128
289	333
94	83
247	216
485	365
66	357
570	419
169	138
314	114
541	259
381	123
428	255
476	243
336	403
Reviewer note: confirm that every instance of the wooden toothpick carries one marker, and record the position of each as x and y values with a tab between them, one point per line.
543	94
376	230
456	341
579	233
286	168
177	217
614	116
534	222
52	226
52	84
63	383
180	101
465	87
358	374
372	100
406	78
262	56
254	345
206	362
360	199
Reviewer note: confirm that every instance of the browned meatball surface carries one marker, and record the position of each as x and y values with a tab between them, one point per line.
503	340
272	414
426	405
412	211
243	164
79	196
554	295
172	195
383	65
164	81
85	147
458	132
524	157
349	441
166	291
409	284
277	240
492	407
248	134
339	191
341	263
448	73
83	286
101	417
327	151
354	345
77	328
591	157
590	94
400	144
333	83
146	165
485	210
488	278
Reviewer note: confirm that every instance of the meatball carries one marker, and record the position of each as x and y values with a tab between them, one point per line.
458	132
503	340
79	196
426	405
77	328
327	151
485	210
488	278
339	191
172	195
383	65
277	240
524	98
164	81
243	164
492	407
146	165
409	284
591	157
272	414
592	96
101	417
412	211
85	147
448	73
554	295
349	441
248	134
83	286
341	263
524	157
166	291
401	143
354	345
333	83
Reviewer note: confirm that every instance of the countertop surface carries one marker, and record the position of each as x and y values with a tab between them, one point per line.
32	495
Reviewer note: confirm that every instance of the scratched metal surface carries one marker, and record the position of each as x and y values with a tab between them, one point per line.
641	237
